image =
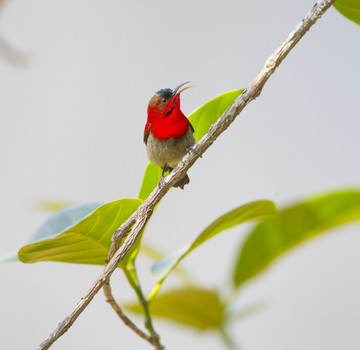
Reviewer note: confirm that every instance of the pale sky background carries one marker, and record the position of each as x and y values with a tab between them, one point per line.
71	129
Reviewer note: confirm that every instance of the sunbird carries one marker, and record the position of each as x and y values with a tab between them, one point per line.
168	134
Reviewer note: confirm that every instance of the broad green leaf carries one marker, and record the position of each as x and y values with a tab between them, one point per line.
86	242
206	115
150	180
201	119
62	219
349	8
248	212
292	226
57	223
199	308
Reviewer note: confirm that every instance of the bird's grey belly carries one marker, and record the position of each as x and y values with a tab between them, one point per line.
170	151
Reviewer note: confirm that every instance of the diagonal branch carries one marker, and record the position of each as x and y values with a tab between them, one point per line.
138	219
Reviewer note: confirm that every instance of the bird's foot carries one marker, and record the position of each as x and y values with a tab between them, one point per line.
162	177
164	170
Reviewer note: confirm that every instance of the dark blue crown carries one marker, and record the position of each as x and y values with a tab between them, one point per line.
166	93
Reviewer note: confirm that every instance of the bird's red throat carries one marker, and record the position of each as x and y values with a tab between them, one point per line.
164	126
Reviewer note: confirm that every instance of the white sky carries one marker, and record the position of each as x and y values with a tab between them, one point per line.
71	129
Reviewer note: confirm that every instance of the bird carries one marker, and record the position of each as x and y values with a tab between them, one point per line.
168	134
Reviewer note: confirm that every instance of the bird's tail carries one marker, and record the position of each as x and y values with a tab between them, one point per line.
184	181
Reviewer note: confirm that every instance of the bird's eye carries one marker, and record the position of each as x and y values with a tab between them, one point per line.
163	100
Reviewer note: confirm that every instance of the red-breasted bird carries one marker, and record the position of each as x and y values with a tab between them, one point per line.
168	134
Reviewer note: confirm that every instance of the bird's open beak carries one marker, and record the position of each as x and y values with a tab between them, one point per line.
177	91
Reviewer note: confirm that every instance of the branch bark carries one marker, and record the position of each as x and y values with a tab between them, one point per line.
138	219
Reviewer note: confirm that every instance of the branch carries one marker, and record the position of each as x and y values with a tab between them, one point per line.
110	299
139	218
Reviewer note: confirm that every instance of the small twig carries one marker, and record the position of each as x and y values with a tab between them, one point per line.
110	299
139	218
135	284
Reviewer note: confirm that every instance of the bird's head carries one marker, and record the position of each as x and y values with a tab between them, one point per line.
166	102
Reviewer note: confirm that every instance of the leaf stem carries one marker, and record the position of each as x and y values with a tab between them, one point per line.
131	276
154	292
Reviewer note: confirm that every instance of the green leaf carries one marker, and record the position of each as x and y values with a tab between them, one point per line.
201	119
199	308
57	223
349	8
248	212
206	115
87	242
63	219
292	226
150	180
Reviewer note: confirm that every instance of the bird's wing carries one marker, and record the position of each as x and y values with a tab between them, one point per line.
192	128
147	132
